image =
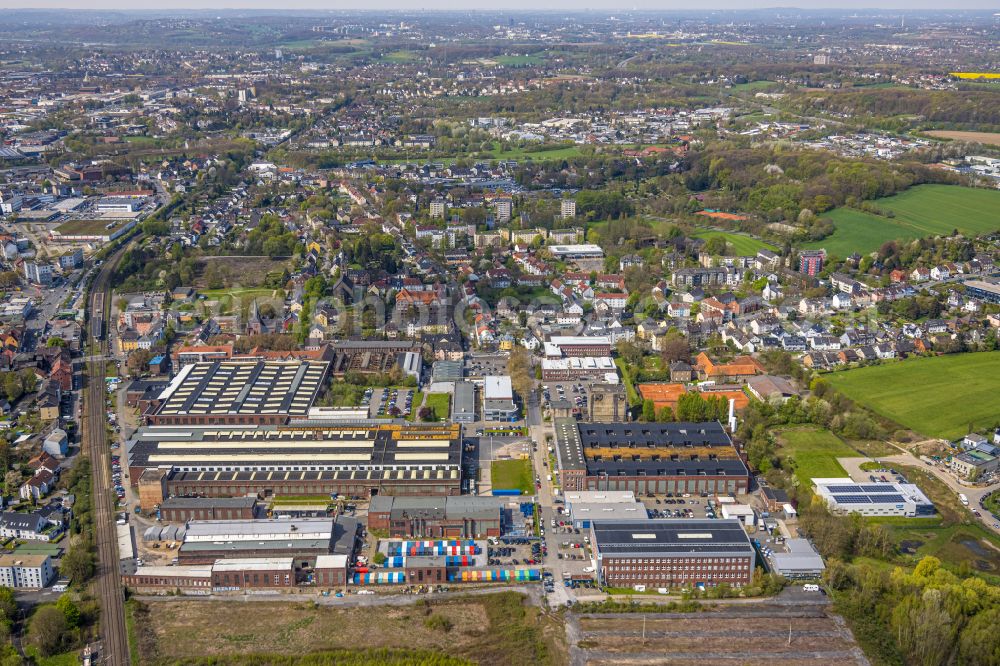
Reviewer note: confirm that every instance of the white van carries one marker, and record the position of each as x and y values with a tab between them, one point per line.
964	499
810	587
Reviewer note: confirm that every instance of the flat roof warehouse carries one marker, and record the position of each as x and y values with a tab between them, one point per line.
332	448
667	538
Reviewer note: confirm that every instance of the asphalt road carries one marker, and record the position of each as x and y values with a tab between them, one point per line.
114	640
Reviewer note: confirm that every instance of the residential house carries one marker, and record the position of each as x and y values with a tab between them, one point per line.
681	372
56	443
29	526
49	398
38	486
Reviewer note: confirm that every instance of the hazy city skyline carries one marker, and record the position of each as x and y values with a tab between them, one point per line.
515	6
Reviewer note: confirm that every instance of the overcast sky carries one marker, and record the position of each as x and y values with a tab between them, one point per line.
505	5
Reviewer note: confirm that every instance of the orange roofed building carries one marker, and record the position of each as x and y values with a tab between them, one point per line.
741	368
666	395
662	395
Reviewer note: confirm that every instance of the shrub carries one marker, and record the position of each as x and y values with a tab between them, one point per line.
438	623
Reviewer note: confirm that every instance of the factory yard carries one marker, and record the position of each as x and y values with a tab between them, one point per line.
799	634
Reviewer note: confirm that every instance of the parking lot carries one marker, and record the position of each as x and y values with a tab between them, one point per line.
577	392
478	366
514	551
382	402
679	507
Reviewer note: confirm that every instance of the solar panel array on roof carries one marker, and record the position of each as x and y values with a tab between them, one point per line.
240	387
878	493
844	489
852	499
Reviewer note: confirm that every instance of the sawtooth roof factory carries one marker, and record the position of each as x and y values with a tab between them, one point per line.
646	458
239	392
248	427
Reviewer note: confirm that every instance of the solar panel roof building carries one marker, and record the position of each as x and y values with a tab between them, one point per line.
238	391
873	499
669	553
648	458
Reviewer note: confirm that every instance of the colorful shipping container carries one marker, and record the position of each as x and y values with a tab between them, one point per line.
425	548
384	577
494	575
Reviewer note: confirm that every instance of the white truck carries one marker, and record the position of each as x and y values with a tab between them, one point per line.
963	499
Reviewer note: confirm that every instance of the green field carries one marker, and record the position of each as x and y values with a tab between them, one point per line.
511	474
518	60
925	210
742	244
237	292
939	396
400	56
813	453
89	227
754	86
440	403
549	154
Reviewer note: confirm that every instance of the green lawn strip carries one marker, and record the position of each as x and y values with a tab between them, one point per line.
440	403
512	475
418	399
130	629
633	396
236	292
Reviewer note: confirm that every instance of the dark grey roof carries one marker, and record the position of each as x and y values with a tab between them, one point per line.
630	445
437	508
208	502
345	534
671	538
22	521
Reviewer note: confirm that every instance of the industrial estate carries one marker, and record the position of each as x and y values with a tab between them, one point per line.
500	337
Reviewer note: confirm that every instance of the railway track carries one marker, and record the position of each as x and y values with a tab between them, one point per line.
114	639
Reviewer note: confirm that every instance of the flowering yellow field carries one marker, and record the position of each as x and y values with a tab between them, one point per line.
976	75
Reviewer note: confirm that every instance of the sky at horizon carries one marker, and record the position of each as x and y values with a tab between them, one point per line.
508	5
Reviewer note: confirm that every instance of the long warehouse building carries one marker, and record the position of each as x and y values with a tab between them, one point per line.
358	460
647	458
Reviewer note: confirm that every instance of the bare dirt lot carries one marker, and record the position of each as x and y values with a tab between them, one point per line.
490	629
988	138
734	634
